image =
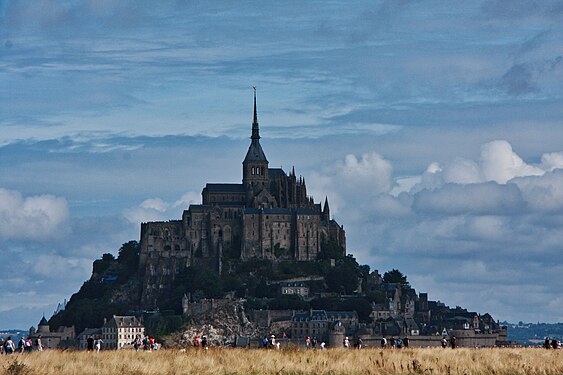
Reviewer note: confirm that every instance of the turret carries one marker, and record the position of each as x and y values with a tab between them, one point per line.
326	210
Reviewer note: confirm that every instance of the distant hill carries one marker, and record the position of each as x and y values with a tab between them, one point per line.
533	333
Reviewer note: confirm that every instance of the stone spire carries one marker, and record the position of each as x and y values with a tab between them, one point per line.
255	127
326	210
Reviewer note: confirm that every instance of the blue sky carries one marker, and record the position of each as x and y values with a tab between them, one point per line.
435	128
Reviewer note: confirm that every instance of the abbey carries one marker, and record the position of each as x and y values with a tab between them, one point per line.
267	216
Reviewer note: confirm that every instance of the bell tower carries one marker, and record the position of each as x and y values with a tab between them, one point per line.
255	164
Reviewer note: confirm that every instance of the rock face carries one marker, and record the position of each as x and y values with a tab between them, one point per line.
222	326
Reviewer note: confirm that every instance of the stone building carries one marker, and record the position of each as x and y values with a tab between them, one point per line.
267	216
63	337
294	288
319	323
119	332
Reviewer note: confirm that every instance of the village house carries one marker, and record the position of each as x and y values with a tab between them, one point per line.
294	288
119	331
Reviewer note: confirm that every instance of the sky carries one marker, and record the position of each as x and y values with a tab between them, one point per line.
435	129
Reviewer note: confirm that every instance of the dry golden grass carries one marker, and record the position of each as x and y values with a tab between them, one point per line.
336	361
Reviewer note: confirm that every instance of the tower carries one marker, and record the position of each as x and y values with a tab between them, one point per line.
326	211
255	164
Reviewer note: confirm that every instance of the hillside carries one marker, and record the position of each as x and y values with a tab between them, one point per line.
255	297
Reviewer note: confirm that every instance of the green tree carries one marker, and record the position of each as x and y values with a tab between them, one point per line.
395	276
128	256
331	250
343	277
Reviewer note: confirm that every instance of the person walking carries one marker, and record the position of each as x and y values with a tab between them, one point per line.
444	342
346	342
453	342
406	342
39	343
98	344
137	343
9	346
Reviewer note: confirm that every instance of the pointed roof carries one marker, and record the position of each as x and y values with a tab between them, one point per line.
255	152
325	208
43	321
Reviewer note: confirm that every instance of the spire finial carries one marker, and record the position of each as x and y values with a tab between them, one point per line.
255	128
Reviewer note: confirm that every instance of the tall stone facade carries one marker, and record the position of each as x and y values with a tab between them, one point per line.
268	216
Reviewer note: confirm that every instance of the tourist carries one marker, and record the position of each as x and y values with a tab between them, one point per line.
444	342
314	342
28	345
308	343
196	342
383	342
204	342
392	342
21	345
151	343
453	342
406	342
346	342
137	343
39	343
9	346
146	343
265	342
90	344
555	343
1	346
98	344
359	343
323	345
275	343
546	343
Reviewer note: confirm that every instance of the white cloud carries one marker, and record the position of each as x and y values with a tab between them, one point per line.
370	174
552	161
32	218
155	209
499	163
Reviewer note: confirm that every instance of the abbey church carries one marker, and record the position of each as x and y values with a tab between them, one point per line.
267	216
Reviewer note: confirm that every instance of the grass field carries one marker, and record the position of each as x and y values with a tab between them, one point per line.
337	361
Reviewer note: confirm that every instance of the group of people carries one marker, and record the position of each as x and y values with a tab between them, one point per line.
92	343
24	345
553	344
201	342
394	343
147	343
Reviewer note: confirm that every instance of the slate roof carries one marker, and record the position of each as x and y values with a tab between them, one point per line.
255	153
225	188
276	172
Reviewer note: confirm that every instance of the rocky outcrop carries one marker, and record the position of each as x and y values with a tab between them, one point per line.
222	326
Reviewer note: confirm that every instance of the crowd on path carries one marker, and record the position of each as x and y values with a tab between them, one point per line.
24	345
148	343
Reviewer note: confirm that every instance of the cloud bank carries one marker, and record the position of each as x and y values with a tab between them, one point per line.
32	218
479	233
